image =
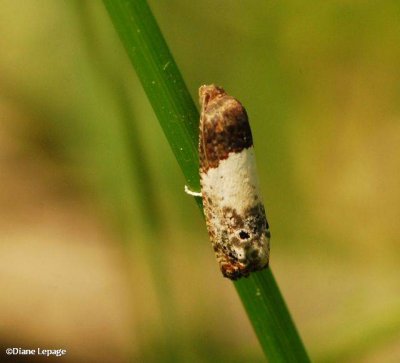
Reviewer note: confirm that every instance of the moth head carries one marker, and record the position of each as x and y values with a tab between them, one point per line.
208	93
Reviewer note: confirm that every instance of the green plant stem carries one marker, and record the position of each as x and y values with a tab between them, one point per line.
270	318
178	118
161	80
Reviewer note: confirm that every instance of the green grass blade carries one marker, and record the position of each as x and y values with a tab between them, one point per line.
270	318
178	117
161	81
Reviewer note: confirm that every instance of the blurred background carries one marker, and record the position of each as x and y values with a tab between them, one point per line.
102	253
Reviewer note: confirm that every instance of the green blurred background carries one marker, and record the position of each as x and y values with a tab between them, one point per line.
101	251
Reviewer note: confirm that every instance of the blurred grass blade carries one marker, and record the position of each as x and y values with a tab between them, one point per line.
178	117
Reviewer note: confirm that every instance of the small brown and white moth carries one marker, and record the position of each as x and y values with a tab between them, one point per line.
233	208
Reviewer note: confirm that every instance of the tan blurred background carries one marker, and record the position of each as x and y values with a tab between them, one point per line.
103	254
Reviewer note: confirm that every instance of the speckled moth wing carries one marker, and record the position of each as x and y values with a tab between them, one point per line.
233	208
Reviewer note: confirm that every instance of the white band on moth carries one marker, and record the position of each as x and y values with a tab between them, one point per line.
234	182
192	193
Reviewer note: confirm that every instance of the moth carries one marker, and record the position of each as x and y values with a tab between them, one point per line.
234	211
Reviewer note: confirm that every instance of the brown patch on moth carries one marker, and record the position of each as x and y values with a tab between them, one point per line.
249	232
224	126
